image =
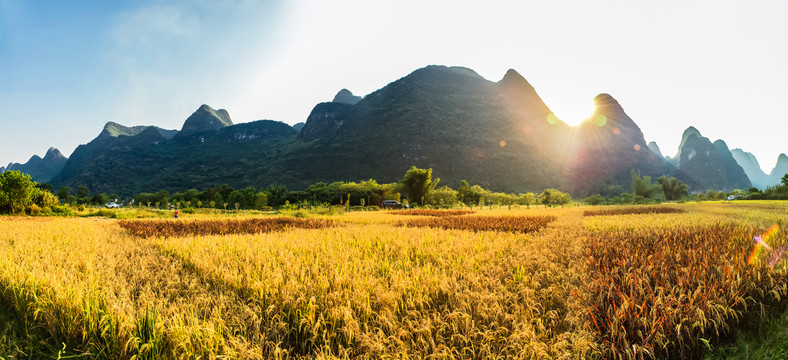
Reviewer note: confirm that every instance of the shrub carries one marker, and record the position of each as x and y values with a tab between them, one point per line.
61	210
33	210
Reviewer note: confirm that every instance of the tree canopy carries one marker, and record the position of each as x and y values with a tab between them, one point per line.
644	187
672	188
418	184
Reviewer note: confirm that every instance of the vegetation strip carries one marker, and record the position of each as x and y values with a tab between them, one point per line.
524	224
429	212
667	293
639	210
173	228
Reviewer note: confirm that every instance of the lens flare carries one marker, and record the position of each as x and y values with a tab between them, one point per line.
552	119
637	147
502	143
616	131
600	120
762	247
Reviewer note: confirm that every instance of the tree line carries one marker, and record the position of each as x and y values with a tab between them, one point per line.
417	187
18	193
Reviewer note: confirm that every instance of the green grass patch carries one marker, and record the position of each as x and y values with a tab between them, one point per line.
769	340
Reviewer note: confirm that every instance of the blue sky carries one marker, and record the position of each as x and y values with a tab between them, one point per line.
66	68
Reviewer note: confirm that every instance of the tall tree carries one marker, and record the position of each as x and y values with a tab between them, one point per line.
418	183
62	193
672	188
462	191
644	187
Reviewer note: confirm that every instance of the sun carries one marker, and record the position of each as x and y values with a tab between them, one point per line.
574	114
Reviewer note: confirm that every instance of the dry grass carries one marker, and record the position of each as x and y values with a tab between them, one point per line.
430	212
174	228
636	210
522	224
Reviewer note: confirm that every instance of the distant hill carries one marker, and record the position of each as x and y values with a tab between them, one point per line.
780	169
199	157
749	163
41	169
710	165
608	147
500	135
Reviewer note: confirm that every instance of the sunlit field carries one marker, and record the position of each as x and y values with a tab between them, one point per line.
668	281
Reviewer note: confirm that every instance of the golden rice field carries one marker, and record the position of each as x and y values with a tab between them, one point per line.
493	284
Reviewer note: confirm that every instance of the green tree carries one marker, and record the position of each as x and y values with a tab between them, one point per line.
594	199
261	200
63	192
217	199
462	191
16	191
418	183
475	195
643	187
672	188
100	199
46	187
444	196
553	197
277	194
83	192
785	180
526	199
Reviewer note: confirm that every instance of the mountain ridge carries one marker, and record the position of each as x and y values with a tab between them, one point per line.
500	135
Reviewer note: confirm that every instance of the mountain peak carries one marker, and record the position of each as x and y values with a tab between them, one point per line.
53	153
432	71
113	129
514	79
691	131
606	100
720	144
512	75
344	96
206	118
655	149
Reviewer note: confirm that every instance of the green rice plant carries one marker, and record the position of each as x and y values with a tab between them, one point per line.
147	341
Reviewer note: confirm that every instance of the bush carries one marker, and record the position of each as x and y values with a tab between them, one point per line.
266	208
188	210
594	200
33	210
61	210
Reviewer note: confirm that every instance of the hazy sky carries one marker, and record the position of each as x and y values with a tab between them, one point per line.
68	67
